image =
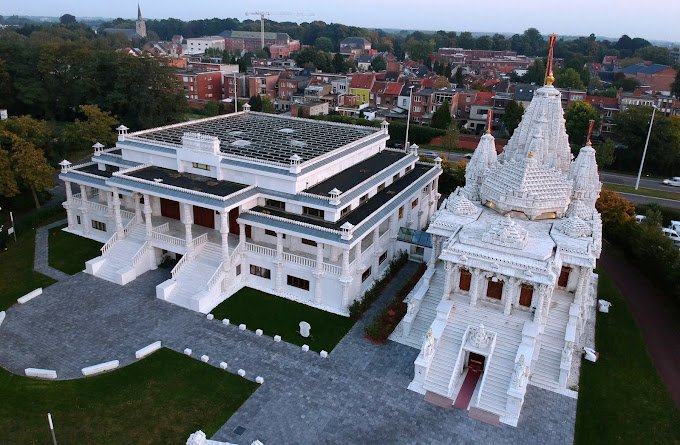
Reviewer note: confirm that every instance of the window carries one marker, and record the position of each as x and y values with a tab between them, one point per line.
401	212
408	169
260	272
382	258
275	204
272	233
414	203
346	210
99	225
310	211
395	177
494	289
363	199
381	186
308	242
200	166
298	282
77	219
465	280
238	270
365	275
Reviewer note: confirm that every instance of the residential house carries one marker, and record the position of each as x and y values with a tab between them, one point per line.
653	75
198	45
479	111
308	109
201	85
607	108
354	47
250	41
264	84
361	85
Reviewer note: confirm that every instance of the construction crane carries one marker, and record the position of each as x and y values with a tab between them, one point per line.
263	14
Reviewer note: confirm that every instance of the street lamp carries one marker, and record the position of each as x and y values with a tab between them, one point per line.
644	152
408	117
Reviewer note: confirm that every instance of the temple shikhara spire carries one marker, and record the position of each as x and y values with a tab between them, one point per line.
511	290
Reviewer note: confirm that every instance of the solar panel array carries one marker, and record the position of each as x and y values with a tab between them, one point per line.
271	138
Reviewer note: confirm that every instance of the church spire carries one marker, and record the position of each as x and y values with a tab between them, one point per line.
549	77
139	12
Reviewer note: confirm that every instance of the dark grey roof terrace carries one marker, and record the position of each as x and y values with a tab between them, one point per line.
188	181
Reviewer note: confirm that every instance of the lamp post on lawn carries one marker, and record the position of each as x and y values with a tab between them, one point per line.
408	116
644	152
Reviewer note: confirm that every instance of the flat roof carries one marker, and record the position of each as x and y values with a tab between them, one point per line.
357	173
362	212
265	136
94	170
188	181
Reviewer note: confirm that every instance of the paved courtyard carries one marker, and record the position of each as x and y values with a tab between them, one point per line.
357	395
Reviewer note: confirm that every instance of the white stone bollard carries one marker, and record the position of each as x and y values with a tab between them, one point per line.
323	354
305	328
225	321
241	327
187	351
29	296
259	380
2	317
205	358
242	372
258	332
41	373
603	306
210	316
223	365
305	348
146	350
277	338
101	367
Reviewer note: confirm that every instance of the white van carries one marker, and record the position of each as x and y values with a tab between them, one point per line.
640	218
672	235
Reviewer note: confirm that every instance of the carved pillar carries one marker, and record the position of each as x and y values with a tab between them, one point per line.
242	235
109	208
448	269
116	213
393	235
224	232
509	291
376	250
358	261
147	217
475	280
318	273
138	208
540	301
279	263
84	209
68	204
188	221
346	278
155	206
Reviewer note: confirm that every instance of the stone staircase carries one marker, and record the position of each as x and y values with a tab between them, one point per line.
116	264
189	287
441	369
545	370
427	311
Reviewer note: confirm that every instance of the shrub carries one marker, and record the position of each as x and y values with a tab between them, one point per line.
361	305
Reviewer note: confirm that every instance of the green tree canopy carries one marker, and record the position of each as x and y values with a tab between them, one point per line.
605	153
419	50
95	126
255	103
378	64
569	78
442	117
324	44
512	116
577	116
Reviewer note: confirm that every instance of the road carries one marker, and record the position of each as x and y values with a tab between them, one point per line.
648	183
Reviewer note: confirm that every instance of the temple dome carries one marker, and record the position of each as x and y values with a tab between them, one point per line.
483	159
584	173
459	205
574	227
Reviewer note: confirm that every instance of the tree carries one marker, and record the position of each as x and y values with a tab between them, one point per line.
255	103
675	88
605	154
24	165
441	82
569	78
67	19
339	64
324	44
656	54
419	50
267	105
512	116
452	177
625	83
450	139
614	209
577	117
6	93
535	73
97	126
442	117
378	64
459	78
654	215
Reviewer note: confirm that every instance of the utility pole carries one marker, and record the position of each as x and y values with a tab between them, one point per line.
644	152
49	419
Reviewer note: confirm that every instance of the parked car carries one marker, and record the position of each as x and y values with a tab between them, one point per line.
468	156
675	225
674	181
672	235
429	154
640	218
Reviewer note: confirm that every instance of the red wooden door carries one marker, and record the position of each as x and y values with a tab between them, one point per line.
465	279
169	208
564	276
526	293
233	224
204	217
494	289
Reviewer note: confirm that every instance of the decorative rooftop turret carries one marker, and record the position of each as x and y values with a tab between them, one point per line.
483	159
505	232
584	173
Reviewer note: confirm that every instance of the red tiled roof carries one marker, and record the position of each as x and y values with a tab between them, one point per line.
393	88
608	102
362	80
491	82
483	98
377	87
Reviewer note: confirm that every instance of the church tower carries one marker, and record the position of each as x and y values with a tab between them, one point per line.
140	24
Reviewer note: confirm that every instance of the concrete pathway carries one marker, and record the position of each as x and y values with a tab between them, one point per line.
41	261
357	395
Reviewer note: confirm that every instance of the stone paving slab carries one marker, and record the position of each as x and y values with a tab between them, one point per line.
41	260
357	395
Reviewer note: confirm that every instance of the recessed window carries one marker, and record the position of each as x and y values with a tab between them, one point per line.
308	242
363	199
310	211
77	219
401	212
395	177
272	233
99	225
365	275
408	169
298	282
494	289
345	211
382	258
238	270
414	203
381	186
200	166
260	272
465	280
275	204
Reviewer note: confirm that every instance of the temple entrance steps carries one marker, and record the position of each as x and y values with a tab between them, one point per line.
441	369
427	311
545	370
189	287
116	264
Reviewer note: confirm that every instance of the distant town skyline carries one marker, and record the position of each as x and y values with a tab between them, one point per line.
655	21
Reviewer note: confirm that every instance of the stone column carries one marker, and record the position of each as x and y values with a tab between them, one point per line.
358	261
509	291
242	235
188	220
318	273
68	204
138	208
393	235
475	281
84	209
345	278
147	217
224	231
279	263
116	213
155	206
376	251
448	269
109	207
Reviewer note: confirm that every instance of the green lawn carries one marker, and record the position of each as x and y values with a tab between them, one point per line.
643	191
68	252
16	270
278	316
621	397
158	400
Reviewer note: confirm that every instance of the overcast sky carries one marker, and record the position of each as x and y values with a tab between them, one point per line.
651	19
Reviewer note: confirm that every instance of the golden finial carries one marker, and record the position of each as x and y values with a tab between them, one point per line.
591	124
549	77
489	120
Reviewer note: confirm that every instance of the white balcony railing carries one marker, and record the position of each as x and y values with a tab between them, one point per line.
216	278
178	267
105	248
332	269
140	253
262	250
297	259
162	237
